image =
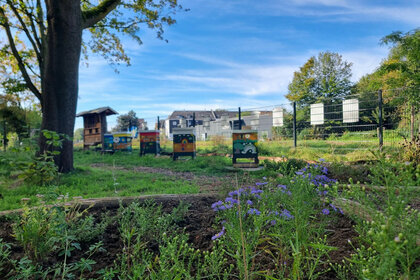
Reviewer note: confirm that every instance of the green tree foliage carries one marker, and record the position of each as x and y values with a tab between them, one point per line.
325	78
404	59
124	122
398	76
401	69
78	134
49	62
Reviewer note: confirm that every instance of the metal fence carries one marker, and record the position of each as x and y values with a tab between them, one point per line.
368	120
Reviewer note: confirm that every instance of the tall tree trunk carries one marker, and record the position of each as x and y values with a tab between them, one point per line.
61	73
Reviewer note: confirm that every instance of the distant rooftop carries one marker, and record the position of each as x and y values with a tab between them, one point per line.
200	115
108	111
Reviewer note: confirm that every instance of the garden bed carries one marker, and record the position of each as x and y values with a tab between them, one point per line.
198	222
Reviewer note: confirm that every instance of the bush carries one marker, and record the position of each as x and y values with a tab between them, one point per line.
411	151
41	169
286	167
43	230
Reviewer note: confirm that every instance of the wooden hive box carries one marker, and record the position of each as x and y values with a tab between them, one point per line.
245	145
149	142
95	126
184	142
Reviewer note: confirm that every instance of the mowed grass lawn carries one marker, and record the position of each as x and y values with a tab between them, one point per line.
104	175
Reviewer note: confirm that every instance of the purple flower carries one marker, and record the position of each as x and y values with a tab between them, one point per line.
325	211
216	205
218	235
333	207
321	160
273	222
284	187
322	192
228	206
286	214
236	192
255	211
232	193
249	202
260	184
264	178
299	173
231	200
255	191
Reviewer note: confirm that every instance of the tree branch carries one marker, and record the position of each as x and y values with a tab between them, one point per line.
96	14
5	23
25	29
34	31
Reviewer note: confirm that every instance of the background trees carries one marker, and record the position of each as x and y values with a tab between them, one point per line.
125	122
324	78
398	76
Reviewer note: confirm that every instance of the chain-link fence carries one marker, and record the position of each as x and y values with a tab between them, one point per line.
362	121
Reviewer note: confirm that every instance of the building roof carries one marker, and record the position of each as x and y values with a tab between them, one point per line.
107	110
201	115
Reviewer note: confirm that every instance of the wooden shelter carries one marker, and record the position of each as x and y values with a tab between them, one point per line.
95	126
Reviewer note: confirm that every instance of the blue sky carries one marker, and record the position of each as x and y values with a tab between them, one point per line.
225	54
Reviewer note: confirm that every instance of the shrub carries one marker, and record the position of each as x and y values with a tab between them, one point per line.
43	230
387	225
411	151
41	169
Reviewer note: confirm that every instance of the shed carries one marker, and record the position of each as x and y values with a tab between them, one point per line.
94	125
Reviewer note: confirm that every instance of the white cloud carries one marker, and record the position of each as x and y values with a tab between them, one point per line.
239	78
364	61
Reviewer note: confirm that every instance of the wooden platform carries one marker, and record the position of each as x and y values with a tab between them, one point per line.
245	165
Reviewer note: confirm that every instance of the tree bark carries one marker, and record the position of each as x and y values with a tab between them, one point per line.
61	74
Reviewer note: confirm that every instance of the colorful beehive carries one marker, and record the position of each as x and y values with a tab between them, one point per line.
149	142
108	143
184	142
245	145
122	141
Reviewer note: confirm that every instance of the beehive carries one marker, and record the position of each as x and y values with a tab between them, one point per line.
245	145
184	142
149	142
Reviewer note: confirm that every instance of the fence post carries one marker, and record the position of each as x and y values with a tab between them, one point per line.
158	123
294	126
380	125
240	121
193	122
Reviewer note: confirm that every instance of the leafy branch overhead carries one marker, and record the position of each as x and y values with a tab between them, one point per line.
25	21
112	17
